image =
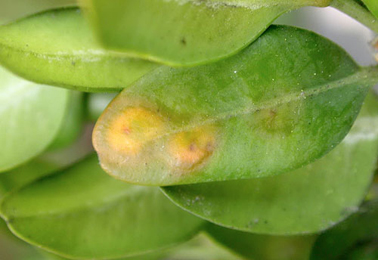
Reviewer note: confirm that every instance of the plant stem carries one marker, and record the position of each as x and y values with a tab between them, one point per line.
358	12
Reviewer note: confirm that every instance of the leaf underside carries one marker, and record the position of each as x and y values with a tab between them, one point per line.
83	213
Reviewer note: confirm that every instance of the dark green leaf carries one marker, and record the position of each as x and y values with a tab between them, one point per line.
185	32
83	213
259	113
358	232
309	199
57	48
30	115
263	247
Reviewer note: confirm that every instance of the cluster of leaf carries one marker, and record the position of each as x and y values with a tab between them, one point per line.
262	137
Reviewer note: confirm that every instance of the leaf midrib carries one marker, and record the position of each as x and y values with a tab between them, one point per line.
361	76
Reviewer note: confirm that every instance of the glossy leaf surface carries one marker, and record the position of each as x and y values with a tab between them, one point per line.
259	113
30	115
267	247
185	32
57	48
306	200
352	237
84	213
373	6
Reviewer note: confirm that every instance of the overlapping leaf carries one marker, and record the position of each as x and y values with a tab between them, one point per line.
259	113
30	115
83	213
267	247
354	238
57	48
309	199
373	6
185	32
73	122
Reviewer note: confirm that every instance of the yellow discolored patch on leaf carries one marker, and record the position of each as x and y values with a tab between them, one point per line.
133	128
277	121
191	148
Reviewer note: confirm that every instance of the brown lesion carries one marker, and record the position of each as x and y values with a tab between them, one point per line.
188	150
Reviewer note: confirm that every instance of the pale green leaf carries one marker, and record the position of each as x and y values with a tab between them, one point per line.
73	123
57	48
30	118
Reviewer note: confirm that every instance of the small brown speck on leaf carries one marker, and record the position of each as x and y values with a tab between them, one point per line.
183	41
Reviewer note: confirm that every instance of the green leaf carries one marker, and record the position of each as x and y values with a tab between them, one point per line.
73	123
30	115
259	113
373	6
57	48
83	213
253	246
185	32
358	233
13	248
363	252
306	200
45	164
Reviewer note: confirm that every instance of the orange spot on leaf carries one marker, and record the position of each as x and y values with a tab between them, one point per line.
130	130
189	149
